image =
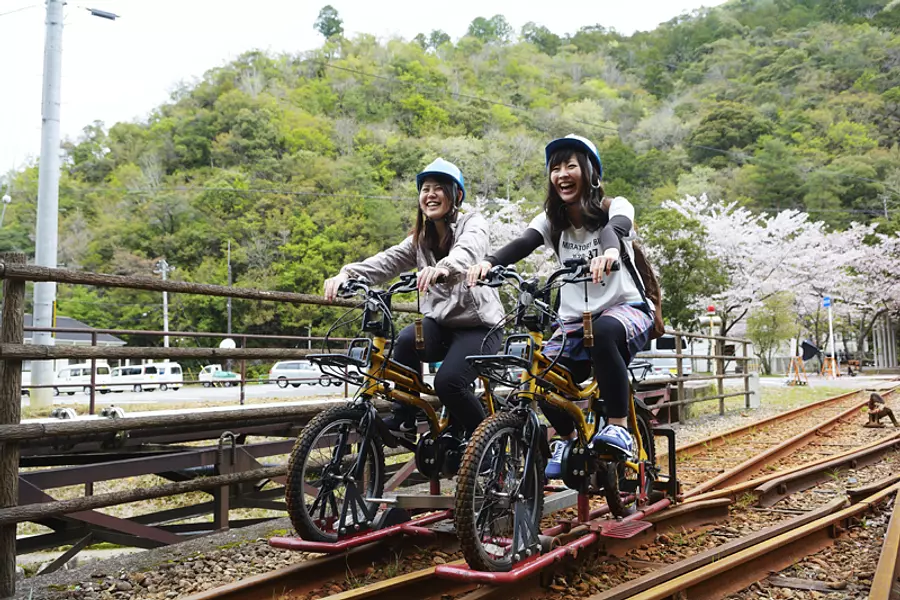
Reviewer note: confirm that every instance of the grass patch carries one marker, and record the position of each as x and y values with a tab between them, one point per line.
775	397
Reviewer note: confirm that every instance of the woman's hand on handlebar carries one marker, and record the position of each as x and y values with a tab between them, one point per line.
477	272
430	275
333	285
602	265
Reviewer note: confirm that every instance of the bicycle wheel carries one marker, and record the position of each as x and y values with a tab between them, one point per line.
499	494
620	483
319	493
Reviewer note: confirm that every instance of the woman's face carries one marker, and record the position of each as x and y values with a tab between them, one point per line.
432	200
567	179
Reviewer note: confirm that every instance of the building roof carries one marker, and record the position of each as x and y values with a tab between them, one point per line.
70	338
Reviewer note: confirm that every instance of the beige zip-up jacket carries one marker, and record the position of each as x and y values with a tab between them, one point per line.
452	303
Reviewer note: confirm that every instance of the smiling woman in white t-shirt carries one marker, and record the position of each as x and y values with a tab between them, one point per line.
579	221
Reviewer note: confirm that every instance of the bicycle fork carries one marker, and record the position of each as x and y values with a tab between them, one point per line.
525	537
355	514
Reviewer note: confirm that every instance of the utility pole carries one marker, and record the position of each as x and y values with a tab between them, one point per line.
47	232
163	268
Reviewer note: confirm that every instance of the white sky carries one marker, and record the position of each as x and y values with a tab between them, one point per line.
120	70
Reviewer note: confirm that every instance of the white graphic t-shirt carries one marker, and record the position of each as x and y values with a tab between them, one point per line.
616	288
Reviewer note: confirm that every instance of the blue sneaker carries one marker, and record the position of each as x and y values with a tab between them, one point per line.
554	465
618	437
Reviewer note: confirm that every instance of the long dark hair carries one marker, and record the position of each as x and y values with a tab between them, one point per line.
424	232
593	217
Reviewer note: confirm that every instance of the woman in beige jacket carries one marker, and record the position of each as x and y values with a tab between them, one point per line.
443	245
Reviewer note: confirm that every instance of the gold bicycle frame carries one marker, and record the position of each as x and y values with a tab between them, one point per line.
413	384
563	381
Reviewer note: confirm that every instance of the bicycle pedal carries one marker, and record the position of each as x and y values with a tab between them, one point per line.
622	529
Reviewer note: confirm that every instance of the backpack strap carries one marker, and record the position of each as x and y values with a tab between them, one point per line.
625	258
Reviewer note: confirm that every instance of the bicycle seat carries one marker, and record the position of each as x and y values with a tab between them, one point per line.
639	369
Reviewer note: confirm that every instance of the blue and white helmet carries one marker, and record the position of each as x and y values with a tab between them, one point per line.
575	142
443	168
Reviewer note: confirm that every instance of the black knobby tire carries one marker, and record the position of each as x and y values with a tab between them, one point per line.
615	472
502	431
302	471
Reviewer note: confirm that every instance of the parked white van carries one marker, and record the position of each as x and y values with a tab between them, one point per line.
141	378
77	378
170	376
666	368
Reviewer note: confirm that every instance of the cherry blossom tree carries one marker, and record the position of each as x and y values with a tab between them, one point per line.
764	254
507	220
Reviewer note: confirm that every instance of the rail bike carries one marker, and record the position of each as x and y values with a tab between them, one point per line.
336	473
500	485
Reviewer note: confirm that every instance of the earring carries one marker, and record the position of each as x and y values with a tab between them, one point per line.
596	187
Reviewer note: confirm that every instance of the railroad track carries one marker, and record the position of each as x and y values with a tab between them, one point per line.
703	505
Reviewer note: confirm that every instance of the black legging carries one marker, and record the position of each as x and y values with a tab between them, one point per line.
610	357
452	346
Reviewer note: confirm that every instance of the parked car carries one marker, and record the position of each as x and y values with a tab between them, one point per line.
26	381
170	376
141	378
665	367
286	372
215	375
75	378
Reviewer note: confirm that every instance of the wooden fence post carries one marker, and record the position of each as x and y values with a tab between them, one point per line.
720	372
679	350
12	323
746	375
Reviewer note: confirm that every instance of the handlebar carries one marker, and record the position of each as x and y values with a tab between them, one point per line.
409	282
572	266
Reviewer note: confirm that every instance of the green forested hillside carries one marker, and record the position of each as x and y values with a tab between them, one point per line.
304	162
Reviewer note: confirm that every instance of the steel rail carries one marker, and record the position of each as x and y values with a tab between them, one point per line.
735	572
721	438
738	479
424	584
819	465
627	590
774	490
884	583
678	517
745	470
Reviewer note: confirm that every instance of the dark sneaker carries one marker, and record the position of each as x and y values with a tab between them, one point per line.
554	465
618	437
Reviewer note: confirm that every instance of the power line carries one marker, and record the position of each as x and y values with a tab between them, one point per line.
404	199
9	12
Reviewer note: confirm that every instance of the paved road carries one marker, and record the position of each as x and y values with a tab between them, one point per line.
197	393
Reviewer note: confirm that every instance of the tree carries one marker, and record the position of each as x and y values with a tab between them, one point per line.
329	23
546	41
496	29
727	126
437	38
770	325
688	274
